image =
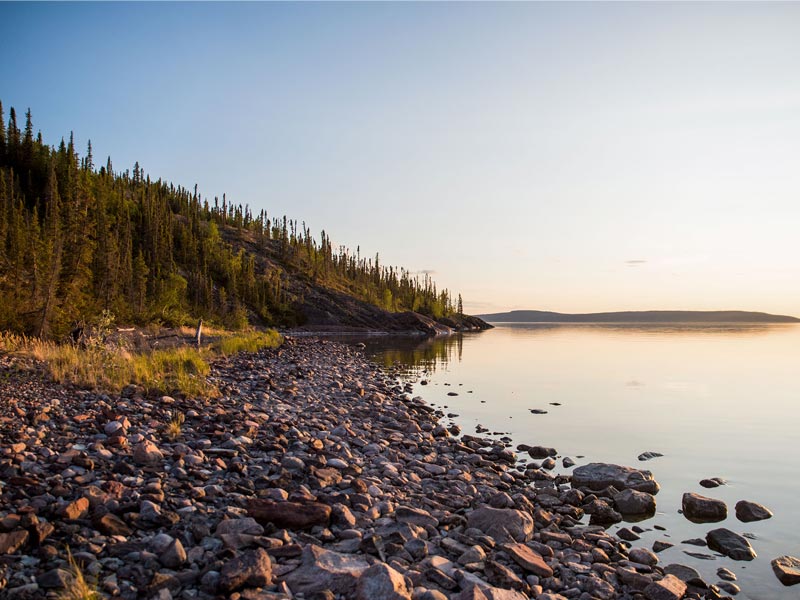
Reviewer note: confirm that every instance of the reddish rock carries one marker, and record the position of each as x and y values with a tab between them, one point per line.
528	559
75	510
290	515
326	570
503	524
11	542
668	588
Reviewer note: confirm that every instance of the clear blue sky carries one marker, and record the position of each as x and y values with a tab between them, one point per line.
563	156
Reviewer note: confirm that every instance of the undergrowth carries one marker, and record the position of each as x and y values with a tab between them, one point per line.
101	366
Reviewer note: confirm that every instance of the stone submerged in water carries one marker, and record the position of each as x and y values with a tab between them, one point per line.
747	511
598	476
730	544
649	456
787	569
701	509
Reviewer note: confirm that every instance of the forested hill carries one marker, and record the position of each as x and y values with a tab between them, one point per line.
77	240
645	316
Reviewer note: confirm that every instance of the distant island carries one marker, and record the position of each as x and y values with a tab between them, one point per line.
643	316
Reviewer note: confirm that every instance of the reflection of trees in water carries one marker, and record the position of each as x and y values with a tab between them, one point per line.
415	354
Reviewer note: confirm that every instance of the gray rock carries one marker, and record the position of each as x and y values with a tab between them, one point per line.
505	525
751	511
598	476
326	570
730	544
701	509
682	572
382	582
634	503
174	555
649	455
643	556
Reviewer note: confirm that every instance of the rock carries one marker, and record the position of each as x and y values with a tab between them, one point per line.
111	524
528	559
682	572
253	568
661	545
751	511
146	453
598	476
649	455
542	452
626	534
173	556
712	483
668	588
633	503
11	542
503	524
787	569
643	556
246	525
700	509
381	582
54	579
726	574
730	587
326	570
417	516
730	544
290	515
75	510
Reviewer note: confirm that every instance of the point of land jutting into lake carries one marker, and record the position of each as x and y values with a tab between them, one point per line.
278	294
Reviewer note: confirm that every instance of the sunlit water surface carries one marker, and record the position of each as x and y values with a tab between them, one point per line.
716	400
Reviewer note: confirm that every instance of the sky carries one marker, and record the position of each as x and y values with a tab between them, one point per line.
574	157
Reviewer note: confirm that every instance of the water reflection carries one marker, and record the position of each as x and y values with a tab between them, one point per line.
414	356
649	328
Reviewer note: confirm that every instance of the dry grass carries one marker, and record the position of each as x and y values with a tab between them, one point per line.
174	425
180	370
78	588
247	342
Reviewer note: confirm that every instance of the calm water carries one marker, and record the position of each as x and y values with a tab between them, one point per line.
717	401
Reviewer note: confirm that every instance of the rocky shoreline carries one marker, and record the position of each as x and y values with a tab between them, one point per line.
316	475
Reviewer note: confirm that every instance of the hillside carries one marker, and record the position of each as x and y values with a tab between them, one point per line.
78	242
646	316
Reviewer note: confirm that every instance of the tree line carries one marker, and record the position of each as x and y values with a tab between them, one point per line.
77	240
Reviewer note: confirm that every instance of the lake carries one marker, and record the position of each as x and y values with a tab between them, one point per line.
715	400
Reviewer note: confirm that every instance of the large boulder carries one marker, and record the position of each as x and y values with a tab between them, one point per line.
730	544
701	509
598	476
505	525
322	570
787	569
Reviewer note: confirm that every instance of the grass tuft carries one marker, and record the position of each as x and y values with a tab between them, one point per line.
78	587
174	425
